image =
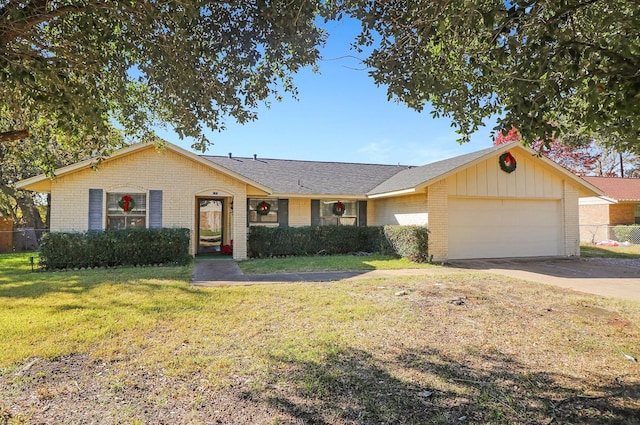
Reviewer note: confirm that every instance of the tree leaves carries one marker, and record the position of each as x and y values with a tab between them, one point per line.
545	67
187	64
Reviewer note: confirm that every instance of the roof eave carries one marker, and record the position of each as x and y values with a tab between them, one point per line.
400	192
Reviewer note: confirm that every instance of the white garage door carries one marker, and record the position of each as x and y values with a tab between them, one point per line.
504	228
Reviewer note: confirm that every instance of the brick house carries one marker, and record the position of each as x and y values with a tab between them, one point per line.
477	205
620	205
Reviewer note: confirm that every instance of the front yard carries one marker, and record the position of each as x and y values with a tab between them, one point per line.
139	345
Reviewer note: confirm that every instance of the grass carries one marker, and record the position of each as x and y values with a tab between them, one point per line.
327	263
139	345
592	250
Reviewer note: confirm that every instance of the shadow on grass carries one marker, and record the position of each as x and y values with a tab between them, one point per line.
353	387
27	284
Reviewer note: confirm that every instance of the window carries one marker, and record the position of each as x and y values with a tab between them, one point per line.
329	218
637	214
257	209
133	219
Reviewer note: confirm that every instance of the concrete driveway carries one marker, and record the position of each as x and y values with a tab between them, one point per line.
609	277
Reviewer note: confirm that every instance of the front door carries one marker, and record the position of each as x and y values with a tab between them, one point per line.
210	226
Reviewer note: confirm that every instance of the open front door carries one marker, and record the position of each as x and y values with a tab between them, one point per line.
210	226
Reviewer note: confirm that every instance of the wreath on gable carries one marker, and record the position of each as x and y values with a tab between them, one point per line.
263	208
338	208
127	203
507	162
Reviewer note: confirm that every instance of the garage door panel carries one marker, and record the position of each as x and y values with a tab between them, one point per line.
494	228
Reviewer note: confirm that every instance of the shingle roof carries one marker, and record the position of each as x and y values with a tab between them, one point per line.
620	189
412	177
309	177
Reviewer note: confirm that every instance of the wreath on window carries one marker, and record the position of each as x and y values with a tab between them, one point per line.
127	203
507	162
338	208
263	208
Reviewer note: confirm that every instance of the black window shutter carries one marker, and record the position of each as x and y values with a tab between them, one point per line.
248	212
155	209
315	212
283	212
95	209
362	213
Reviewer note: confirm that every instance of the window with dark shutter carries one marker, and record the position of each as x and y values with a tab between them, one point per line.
155	209
95	209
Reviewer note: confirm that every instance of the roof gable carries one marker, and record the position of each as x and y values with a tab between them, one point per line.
42	182
416	176
618	188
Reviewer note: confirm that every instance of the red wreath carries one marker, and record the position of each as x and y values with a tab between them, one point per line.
127	203
263	208
507	162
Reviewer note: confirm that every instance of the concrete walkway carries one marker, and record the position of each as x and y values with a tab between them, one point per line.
605	277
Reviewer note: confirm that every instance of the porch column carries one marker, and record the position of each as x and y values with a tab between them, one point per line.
438	224
240	227
570	220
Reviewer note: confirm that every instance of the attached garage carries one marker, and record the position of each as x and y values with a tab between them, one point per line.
494	228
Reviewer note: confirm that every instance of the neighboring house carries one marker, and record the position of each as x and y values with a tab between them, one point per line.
472	206
619	205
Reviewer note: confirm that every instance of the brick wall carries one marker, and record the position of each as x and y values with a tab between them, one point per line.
402	210
621	214
594	222
571	220
299	212
438	207
180	178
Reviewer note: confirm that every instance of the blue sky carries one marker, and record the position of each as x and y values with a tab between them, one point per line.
340	115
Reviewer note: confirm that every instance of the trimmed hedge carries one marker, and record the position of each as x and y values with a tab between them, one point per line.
406	241
411	242
630	233
59	250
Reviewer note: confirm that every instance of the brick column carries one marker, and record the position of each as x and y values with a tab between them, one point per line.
571	220
438	209
240	226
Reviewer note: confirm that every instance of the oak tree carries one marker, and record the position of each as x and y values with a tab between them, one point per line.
84	65
544	66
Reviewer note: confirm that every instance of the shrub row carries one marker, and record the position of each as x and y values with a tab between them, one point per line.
110	248
406	241
630	233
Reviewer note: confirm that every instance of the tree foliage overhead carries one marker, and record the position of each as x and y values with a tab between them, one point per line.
84	63
545	66
46	149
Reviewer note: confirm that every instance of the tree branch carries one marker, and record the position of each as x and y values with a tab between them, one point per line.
10	136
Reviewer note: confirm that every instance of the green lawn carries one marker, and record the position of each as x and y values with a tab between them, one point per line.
592	250
327	263
140	345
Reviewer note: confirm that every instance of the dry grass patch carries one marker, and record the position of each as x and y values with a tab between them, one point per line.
467	348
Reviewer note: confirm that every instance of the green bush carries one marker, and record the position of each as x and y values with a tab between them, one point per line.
405	241
411	242
110	248
311	240
630	233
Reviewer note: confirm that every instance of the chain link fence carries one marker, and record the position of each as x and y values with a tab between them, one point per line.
20	240
602	234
